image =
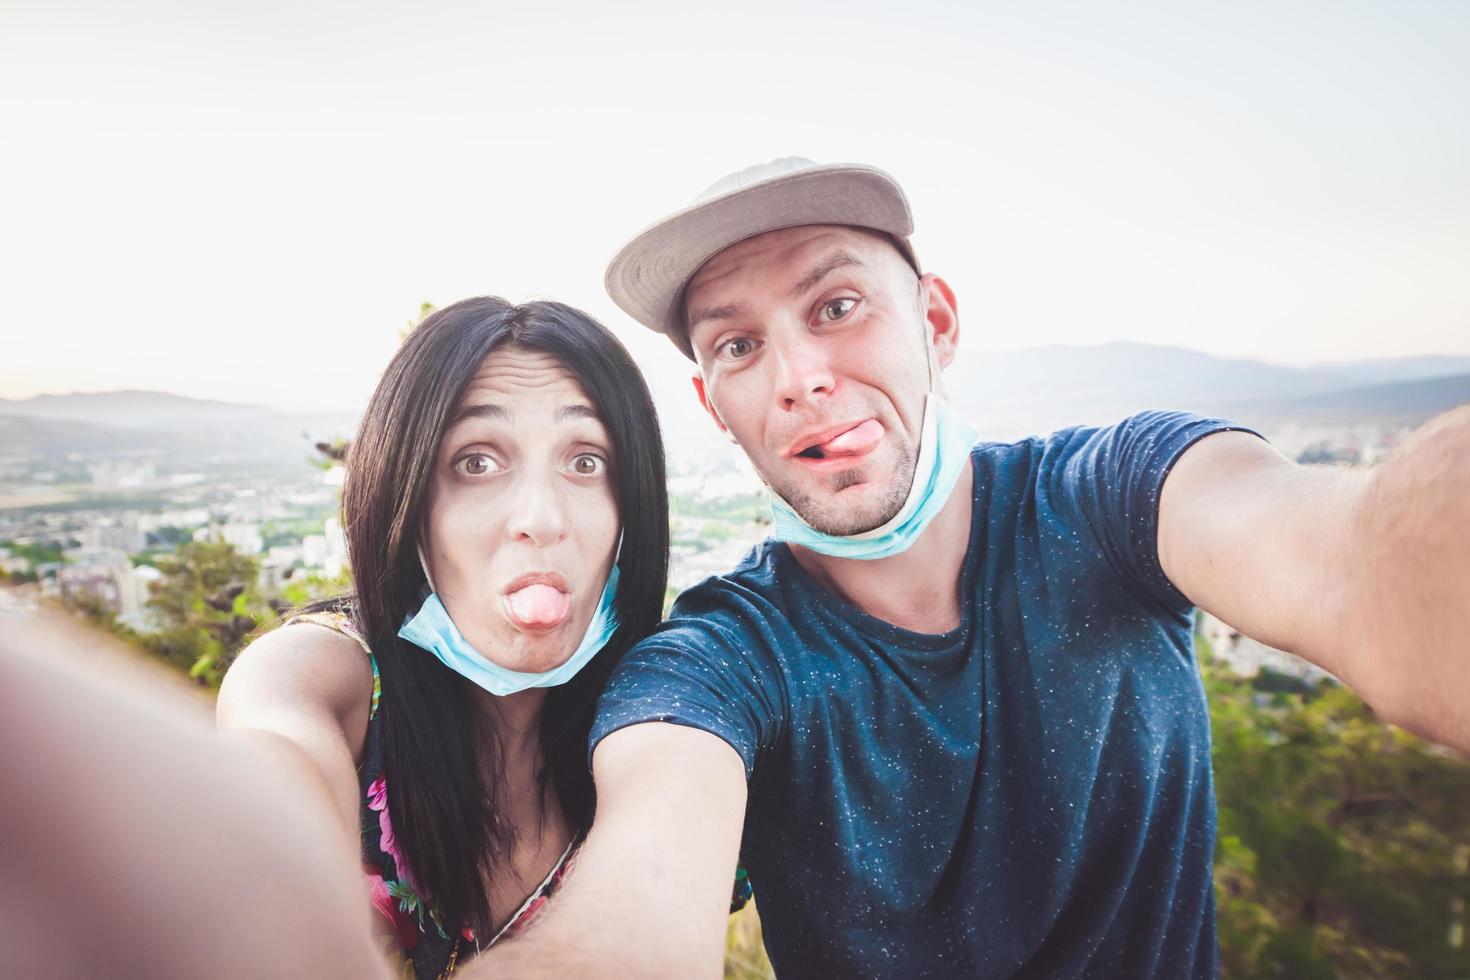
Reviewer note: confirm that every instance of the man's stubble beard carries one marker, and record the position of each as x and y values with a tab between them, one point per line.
831	518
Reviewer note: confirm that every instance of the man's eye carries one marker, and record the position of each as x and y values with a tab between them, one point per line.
738	347
477	464
589	464
837	309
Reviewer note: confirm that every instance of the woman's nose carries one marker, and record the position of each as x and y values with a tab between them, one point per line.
537	512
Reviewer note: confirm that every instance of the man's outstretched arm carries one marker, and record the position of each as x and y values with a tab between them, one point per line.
649	893
1365	573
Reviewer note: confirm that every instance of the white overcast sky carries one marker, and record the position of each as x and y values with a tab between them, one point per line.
248	201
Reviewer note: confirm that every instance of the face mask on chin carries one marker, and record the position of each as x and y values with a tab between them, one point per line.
432	629
945	441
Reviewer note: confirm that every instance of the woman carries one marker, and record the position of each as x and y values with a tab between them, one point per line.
506	521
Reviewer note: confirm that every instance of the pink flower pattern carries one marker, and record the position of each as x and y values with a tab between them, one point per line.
377	800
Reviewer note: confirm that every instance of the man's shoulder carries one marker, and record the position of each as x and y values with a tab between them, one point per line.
758	573
1141	428
1082	474
735	606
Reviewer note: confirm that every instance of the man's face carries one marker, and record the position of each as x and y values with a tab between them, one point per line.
814	346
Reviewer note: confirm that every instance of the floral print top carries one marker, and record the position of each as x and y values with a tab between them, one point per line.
412	934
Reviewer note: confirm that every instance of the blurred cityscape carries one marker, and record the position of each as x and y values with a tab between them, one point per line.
95	488
92	529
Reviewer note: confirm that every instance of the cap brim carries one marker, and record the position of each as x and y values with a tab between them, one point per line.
647	276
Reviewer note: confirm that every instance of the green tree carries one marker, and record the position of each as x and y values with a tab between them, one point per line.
208	604
1339	837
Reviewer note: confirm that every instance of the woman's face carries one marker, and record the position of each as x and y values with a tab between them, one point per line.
522	516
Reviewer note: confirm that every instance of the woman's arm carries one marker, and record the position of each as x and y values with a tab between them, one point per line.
303	694
139	843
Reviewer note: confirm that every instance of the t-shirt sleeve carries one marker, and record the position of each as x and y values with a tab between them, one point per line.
707	668
1112	478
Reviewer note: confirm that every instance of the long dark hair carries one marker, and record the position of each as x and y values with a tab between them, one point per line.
446	816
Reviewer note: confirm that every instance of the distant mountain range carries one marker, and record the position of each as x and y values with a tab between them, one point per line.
187	432
132	409
1006	394
1014	393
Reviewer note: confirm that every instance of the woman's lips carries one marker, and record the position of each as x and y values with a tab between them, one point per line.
537	607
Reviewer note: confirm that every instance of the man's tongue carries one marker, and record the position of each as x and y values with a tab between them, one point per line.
859	439
538	605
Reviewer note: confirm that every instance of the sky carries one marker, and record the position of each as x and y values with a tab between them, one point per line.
250	201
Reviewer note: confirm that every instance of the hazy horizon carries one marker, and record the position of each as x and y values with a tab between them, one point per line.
1453	370
250	204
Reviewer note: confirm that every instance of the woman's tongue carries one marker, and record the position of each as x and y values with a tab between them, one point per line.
538	606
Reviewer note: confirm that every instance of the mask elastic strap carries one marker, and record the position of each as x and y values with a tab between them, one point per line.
929	357
424	564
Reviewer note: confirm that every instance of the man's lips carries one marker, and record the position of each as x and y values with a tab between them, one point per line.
844	441
538	601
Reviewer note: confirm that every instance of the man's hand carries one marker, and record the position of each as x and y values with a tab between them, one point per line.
649	892
1365	573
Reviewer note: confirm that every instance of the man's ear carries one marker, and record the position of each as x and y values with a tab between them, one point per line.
942	313
703	393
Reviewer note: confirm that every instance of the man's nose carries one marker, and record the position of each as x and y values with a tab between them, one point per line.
537	511
803	370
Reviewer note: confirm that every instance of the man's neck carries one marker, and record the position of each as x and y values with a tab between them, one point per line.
916	589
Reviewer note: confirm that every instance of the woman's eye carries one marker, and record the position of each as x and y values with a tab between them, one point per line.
477	464
837	309
738	348
589	464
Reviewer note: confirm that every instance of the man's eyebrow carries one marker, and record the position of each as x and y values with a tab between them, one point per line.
496	412
726	312
818	272
821	270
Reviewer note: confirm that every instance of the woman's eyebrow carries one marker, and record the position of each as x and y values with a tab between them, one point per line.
486	411
579	411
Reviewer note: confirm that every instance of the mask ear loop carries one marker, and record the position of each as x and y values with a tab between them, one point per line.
929	357
424	564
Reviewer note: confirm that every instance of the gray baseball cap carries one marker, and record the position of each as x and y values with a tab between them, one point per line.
648	275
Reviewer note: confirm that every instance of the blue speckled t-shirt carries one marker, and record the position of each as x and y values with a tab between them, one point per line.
1027	795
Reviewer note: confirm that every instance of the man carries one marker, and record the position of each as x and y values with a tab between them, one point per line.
950	721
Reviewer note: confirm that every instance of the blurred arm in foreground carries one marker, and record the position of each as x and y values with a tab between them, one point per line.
139	843
1365	573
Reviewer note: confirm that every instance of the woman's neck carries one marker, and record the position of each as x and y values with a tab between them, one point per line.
513	773
514	721
527	803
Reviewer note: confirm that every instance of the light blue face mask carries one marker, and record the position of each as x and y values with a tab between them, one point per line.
945	441
432	629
